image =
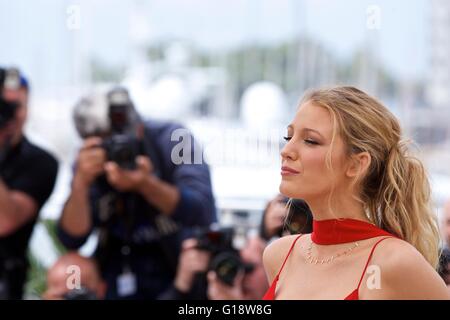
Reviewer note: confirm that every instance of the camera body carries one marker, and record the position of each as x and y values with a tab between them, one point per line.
122	149
225	260
10	80
111	116
122	145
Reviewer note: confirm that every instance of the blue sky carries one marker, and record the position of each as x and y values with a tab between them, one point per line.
34	33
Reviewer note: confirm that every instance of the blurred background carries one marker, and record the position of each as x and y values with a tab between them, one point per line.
232	72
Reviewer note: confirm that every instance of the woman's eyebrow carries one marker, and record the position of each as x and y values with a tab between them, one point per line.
312	130
305	129
291	127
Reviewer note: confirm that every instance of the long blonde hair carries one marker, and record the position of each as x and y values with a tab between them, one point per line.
395	190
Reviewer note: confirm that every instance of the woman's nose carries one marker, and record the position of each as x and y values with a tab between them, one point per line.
289	152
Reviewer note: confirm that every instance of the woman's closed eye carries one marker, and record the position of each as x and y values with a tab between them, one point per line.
307	141
311	142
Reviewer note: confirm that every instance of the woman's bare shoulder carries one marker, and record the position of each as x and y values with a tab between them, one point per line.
394	253
405	273
275	253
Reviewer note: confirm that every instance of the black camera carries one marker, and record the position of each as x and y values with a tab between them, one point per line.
112	117
225	260
9	79
82	293
122	146
122	149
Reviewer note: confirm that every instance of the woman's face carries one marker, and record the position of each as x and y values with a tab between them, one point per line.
305	174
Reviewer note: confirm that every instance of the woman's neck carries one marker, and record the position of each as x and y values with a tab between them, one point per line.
339	208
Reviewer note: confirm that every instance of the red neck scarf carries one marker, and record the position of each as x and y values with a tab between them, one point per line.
336	231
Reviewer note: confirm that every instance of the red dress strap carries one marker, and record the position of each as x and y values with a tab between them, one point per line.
368	260
355	293
270	294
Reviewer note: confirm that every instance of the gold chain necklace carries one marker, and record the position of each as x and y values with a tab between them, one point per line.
313	260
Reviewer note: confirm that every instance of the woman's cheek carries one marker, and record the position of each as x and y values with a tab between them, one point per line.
314	161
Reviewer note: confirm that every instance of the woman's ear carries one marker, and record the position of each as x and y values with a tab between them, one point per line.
359	163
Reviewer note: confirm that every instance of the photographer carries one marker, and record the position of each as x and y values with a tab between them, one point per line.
127	185
444	266
248	284
210	268
190	280
280	218
74	277
445	224
283	217
27	178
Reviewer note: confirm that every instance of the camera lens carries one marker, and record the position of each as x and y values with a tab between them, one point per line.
227	265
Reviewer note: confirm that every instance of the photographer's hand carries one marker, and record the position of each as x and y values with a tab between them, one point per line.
159	193
192	261
217	290
90	162
129	180
76	218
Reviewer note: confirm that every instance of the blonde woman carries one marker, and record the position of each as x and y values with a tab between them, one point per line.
374	232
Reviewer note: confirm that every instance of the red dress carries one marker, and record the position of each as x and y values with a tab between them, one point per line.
326	232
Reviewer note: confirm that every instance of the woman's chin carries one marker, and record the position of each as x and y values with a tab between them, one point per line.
288	190
292	190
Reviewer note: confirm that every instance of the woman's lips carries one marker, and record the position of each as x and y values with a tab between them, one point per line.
286	171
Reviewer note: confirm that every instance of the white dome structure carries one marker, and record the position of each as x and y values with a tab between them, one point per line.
167	98
263	105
